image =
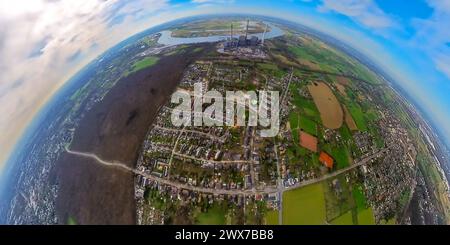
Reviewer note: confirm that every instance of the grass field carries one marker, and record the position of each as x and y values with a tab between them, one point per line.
293	120
198	49
345	219
297	121
340	155
306	107
365	217
272	69
307	125
214	216
216	27
312	58
271	217
345	133
389	222
358	195
316	54
304	206
144	63
177	50
357	214
349	120
358	116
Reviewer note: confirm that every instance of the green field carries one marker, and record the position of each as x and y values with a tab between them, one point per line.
308	108
355	206
325	59
214	216
339	153
272	69
345	133
177	50
300	122
71	221
272	217
365	217
306	114
304	206
293	122
358	195
197	49
144	63
208	28
389	222
358	116
345	219
329	59
308	125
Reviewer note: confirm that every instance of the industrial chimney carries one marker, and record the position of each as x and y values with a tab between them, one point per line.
246	30
264	35
231	32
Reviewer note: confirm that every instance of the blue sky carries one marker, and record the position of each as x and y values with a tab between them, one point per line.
43	43
410	39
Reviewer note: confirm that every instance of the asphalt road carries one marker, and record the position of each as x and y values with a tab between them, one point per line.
266	190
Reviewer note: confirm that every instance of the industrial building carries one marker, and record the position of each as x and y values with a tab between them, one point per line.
244	40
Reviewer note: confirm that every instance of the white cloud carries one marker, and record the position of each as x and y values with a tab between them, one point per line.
365	12
433	35
442	62
38	39
209	2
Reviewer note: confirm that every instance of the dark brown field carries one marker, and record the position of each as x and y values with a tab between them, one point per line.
114	130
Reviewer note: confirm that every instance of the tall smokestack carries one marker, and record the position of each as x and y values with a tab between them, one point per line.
246	30
264	35
231	31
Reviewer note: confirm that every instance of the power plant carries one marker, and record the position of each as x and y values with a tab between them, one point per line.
244	40
245	45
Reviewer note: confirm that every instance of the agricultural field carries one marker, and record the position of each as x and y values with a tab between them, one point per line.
217	27
346	203
304	206
349	120
346	219
328	105
271	217
333	109
333	202
144	63
365	217
272	69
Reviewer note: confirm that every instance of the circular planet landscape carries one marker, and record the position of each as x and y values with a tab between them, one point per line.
352	148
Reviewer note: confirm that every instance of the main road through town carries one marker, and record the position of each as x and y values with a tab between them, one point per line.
267	190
